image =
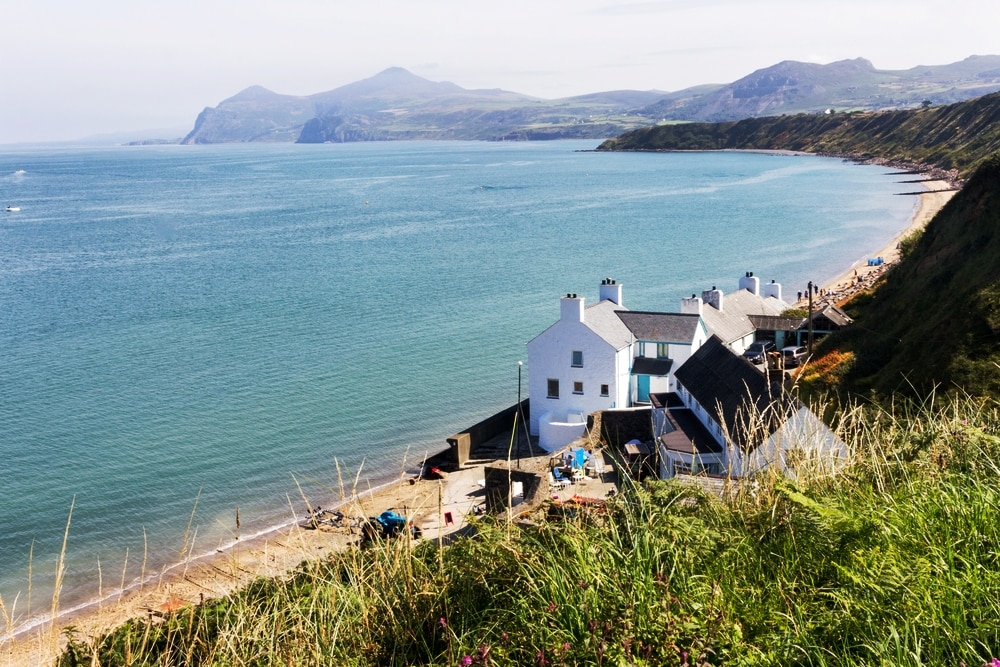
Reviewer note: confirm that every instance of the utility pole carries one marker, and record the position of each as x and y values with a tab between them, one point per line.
810	318
518	433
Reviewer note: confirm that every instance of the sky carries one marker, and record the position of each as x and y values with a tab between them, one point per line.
78	68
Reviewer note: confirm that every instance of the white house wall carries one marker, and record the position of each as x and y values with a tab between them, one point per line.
550	357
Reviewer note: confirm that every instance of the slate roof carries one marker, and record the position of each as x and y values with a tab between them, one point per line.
733	322
735	393
660	327
602	319
836	316
651	366
777	323
688	435
666	399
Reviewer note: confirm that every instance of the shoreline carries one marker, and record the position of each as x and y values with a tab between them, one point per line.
276	551
859	275
271	552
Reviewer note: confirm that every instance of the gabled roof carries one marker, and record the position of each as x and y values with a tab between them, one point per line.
733	321
837	316
660	327
735	393
602	318
603	321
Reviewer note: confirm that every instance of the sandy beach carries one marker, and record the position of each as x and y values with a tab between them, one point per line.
438	507
860	274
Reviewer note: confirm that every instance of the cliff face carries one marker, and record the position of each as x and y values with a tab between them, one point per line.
952	138
935	322
255	114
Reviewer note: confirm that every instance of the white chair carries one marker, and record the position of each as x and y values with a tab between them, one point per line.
557	483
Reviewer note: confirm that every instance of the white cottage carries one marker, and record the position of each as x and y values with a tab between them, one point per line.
730	316
577	366
605	356
662	343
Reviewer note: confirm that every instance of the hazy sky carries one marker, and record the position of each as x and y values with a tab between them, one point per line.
74	68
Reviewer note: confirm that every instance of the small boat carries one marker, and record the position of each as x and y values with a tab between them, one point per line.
13	209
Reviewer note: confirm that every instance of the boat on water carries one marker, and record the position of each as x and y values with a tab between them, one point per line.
13	209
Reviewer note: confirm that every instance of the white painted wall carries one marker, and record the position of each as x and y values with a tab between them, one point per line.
550	355
554	435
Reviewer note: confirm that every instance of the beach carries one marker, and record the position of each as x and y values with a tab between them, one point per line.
439	507
425	501
860	274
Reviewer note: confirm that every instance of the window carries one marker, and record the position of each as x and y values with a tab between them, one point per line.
577	387
553	388
662	351
577	358
604	390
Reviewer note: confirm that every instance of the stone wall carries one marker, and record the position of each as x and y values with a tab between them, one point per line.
616	427
463	445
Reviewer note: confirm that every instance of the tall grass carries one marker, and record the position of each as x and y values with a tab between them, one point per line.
894	561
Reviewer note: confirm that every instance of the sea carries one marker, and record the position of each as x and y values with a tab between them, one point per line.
194	333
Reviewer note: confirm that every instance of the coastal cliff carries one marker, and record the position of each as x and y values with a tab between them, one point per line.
934	323
952	139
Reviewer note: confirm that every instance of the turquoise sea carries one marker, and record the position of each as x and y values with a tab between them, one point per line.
185	330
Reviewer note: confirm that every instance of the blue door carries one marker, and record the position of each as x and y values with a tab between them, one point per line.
642	388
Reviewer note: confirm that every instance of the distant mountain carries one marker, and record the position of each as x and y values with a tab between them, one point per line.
396	104
846	85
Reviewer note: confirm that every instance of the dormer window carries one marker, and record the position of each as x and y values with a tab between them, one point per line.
577	359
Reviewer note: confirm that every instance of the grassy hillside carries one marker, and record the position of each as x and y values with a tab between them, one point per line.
894	562
935	321
956	137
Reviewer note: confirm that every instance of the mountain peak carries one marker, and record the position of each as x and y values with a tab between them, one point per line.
394	81
252	94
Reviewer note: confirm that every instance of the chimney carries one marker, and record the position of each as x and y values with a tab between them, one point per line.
691	306
571	308
750	283
772	289
713	297
612	291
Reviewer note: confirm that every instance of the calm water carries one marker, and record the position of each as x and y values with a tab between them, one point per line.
188	330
